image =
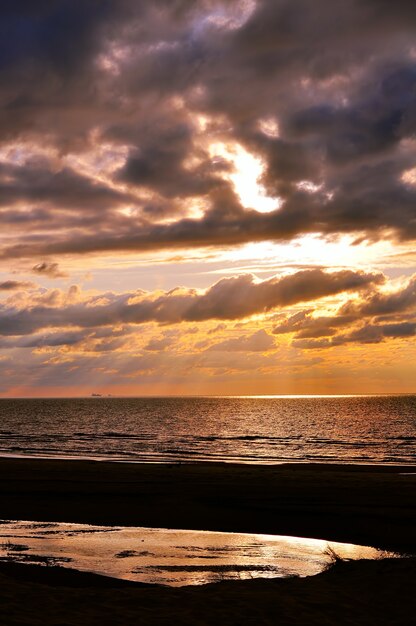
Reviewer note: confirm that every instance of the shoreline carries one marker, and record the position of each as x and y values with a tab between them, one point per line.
366	505
202	461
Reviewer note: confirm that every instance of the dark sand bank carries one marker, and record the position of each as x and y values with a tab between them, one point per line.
366	592
369	505
366	505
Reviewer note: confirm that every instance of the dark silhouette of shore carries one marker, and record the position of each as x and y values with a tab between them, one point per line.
370	505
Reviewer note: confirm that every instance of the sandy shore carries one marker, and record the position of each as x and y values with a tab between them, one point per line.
356	593
366	505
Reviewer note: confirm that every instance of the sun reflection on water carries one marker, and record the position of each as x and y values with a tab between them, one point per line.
171	557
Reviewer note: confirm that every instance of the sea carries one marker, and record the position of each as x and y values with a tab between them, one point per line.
264	430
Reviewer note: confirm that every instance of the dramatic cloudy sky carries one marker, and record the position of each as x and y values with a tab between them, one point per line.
207	197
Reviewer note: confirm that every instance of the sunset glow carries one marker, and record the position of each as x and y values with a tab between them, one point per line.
207	198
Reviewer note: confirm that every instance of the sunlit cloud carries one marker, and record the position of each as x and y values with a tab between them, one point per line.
269	126
409	176
245	175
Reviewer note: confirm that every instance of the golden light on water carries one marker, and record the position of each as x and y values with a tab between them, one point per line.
178	557
305	395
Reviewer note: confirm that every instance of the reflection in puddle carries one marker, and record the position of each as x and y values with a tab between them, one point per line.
170	557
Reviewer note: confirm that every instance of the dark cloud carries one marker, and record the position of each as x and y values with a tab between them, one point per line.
46	78
90	339
66	338
257	342
306	326
49	269
155	345
404	329
388	303
14	285
370	124
230	298
366	334
372	318
159	163
35	182
339	78
239	297
216	329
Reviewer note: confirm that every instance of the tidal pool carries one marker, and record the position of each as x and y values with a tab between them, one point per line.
171	557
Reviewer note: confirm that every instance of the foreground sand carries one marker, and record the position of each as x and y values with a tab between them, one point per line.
352	593
366	505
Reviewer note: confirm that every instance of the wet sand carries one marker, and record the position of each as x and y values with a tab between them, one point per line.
358	504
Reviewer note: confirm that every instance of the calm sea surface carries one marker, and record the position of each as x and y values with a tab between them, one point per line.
371	429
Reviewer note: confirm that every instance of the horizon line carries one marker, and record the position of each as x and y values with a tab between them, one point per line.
103	396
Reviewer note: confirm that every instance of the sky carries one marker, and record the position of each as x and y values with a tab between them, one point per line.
207	197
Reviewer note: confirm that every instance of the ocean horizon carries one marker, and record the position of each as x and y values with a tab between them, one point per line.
355	429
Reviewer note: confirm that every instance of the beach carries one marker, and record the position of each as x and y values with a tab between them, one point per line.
355	593
367	505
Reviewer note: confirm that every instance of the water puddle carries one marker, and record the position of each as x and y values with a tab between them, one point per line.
170	557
